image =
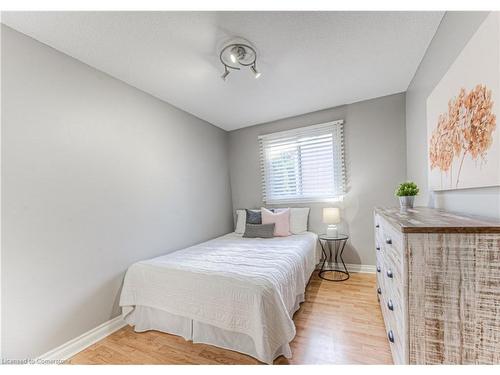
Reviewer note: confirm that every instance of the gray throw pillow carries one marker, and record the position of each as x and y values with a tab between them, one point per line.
259	231
255	216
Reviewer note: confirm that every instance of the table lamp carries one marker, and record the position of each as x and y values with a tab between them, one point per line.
331	216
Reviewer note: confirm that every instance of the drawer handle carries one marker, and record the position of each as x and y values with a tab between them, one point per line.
377	226
388	241
390	306
389	274
379	291
390	336
378	248
378	269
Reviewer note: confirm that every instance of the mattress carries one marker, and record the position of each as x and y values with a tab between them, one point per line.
233	292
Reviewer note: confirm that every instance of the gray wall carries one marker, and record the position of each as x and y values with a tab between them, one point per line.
95	176
375	163
452	35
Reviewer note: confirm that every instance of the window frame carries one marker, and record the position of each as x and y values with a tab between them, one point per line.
338	166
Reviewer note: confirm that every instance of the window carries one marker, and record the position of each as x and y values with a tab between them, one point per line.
303	165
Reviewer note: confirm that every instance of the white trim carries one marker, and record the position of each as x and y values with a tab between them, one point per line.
294	131
351	267
275	180
76	345
338	198
361	268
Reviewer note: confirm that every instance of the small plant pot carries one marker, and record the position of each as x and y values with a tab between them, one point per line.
406	202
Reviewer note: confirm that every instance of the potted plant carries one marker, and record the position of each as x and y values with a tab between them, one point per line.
406	193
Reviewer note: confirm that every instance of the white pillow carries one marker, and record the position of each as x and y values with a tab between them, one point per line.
298	220
241	221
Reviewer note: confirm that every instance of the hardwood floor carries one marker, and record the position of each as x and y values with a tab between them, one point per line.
339	323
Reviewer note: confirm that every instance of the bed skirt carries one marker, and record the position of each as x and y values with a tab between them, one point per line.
144	318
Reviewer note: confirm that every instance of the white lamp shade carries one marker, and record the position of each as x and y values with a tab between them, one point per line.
331	215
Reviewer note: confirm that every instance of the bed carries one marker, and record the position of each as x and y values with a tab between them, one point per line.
232	292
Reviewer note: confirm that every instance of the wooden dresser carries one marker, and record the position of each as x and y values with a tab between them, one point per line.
438	283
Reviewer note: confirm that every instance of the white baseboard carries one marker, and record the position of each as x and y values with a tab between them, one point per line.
362	268
72	347
351	267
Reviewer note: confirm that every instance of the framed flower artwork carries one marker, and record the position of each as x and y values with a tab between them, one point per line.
463	136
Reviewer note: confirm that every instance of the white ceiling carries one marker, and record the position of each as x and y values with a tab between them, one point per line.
309	60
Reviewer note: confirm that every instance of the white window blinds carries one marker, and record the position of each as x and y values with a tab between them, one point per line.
303	165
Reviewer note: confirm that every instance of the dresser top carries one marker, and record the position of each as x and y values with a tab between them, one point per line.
431	220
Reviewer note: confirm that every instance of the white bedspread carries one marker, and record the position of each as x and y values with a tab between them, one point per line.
244	285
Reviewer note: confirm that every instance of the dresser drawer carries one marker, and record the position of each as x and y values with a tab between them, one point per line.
392	271
390	234
394	330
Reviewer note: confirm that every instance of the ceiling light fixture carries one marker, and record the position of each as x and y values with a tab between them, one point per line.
236	55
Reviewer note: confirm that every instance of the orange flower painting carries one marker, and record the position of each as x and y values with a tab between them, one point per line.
463	137
464	131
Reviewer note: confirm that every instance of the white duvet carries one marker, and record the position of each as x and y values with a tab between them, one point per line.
245	285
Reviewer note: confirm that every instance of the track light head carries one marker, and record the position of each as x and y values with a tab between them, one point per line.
255	72
226	73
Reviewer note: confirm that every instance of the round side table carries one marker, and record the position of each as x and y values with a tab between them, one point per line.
335	246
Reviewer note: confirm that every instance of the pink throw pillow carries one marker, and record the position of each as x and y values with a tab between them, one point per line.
280	219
